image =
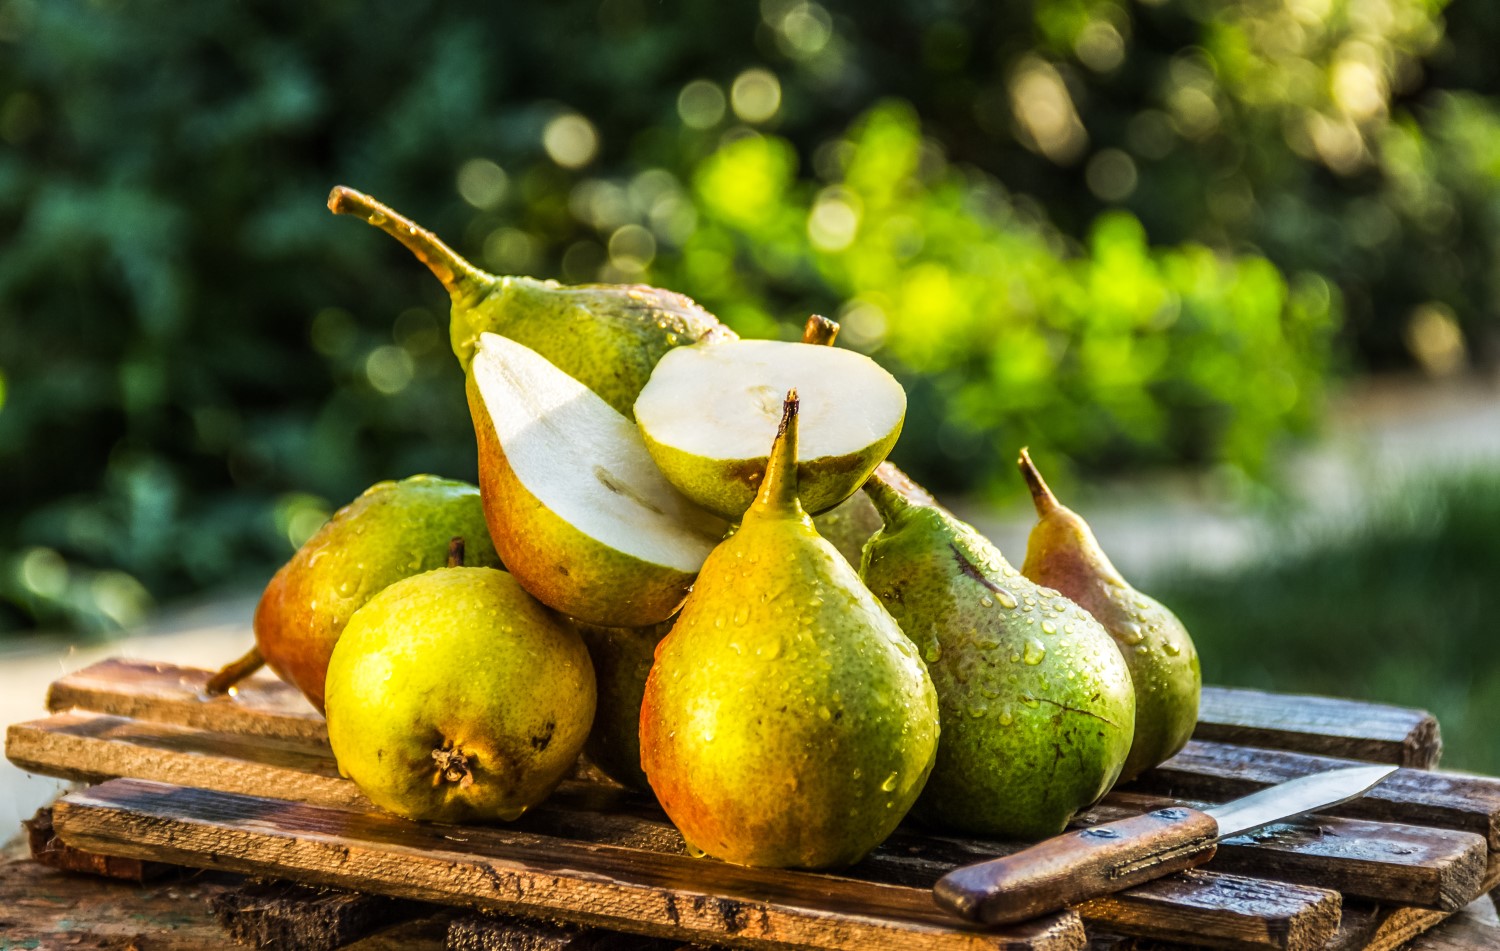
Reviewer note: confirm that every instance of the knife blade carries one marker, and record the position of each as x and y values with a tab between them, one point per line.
1112	856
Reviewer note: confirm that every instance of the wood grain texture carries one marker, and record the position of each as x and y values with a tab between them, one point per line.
1367	927
46	908
279	916
1461	933
47	849
266	706
259	706
1217	772
508	933
1273	916
1326	726
1382	861
669	896
94	747
112	746
305	772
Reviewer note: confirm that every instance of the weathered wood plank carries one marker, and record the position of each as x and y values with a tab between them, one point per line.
258	706
1271	914
669	896
265	706
611	816
1367	927
508	933
1326	726
94	747
1383	861
42	907
1217	772
286	917
112	746
47	849
1461	933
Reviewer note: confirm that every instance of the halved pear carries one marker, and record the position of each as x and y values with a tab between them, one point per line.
583	518
708	413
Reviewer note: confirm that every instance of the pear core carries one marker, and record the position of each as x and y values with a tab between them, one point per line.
710	411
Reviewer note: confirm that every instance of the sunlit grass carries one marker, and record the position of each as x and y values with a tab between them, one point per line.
1404	609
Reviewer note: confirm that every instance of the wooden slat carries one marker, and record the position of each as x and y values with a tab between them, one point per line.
1326	726
1273	914
291	917
507	933
113	746
1383	861
259	706
1368	927
670	896
94	747
1437	863
1462	933
47	849
266	706
1218	772
45	908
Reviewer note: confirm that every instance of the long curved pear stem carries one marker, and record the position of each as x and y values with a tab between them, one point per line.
778	488
1046	503
820	330
462	279
232	673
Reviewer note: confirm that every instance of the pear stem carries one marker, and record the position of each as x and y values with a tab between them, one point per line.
232	673
778	487
462	279
1046	503
820	330
456	552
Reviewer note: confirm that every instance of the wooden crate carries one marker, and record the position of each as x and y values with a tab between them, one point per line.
247	783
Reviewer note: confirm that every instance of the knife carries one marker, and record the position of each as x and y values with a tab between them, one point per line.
1112	856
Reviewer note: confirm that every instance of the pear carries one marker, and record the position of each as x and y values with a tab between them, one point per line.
454	696
787	722
622	659
709	412
579	513
392	531
1063	553
607	336
1035	702
848	525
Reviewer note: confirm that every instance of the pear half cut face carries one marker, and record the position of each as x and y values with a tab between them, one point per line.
585	520
710	411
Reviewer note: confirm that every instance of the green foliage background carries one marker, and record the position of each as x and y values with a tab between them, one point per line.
1132	234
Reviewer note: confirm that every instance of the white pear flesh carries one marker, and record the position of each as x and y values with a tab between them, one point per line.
709	414
580	514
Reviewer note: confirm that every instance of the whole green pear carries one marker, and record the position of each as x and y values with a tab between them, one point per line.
455	696
1035	701
848	525
622	659
392	531
786	722
607	336
1064	554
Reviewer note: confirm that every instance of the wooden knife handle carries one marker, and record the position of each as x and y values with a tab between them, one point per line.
1080	865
